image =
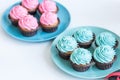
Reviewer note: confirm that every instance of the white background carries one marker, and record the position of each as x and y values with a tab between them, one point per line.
32	61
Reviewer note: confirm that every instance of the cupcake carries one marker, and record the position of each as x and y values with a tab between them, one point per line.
104	57
81	59
30	5
16	13
28	25
47	6
65	46
84	37
106	38
49	22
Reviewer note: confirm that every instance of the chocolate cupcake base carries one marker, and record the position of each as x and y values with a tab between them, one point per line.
28	34
49	30
65	56
80	68
104	66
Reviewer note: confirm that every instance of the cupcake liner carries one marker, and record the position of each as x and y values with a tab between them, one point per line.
33	12
28	34
50	29
64	56
80	68
104	66
15	23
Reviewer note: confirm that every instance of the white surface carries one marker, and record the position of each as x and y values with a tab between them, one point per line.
32	61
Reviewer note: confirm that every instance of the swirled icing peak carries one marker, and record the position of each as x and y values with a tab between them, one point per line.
18	12
66	43
81	56
105	38
47	6
104	54
83	35
48	18
30	4
28	22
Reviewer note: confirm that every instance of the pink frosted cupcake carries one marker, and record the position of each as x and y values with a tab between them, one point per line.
49	21
48	6
17	13
30	5
28	25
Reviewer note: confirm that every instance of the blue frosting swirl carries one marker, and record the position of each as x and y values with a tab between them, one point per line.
83	35
105	38
81	56
104	54
67	43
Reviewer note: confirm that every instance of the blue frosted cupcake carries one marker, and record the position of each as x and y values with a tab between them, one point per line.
65	46
106	38
81	59
84	37
104	57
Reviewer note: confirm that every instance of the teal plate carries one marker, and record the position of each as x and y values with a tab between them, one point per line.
63	15
93	72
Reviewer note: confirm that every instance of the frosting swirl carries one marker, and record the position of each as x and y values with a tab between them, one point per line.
47	6
48	18
83	35
30	4
105	38
104	54
81	56
28	22
18	12
66	43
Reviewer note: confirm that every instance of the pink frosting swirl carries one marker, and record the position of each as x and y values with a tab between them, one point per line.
47	6
18	12
48	18
28	22
30	4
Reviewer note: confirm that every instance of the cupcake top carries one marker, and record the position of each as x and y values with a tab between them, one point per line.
30	4
104	54
48	18
66	43
28	22
105	38
83	35
18	12
81	56
47	6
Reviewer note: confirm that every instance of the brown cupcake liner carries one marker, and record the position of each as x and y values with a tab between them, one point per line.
80	68
28	34
114	47
104	66
15	23
65	56
87	44
50	29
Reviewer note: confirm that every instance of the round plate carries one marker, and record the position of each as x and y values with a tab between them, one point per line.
93	72
63	15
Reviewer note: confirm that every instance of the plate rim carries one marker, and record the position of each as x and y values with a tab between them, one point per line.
68	72
36	40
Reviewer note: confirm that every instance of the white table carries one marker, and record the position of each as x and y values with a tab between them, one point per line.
32	61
